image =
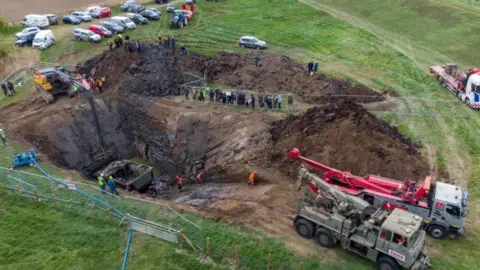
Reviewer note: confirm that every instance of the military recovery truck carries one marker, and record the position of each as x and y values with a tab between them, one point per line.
392	240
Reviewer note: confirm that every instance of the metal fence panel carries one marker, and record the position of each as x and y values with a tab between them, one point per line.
161	231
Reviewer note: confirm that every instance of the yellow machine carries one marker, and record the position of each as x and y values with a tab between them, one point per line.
50	82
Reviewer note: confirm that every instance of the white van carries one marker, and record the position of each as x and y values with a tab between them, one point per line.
33	20
124	22
43	39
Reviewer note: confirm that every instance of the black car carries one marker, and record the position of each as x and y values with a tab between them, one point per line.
69	19
149	14
25	40
161	1
137	18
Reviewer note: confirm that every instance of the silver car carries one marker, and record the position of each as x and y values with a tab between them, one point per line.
27	31
85	17
252	42
86	35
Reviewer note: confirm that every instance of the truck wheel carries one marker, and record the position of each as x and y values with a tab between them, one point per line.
437	231
386	263
304	228
324	238
467	101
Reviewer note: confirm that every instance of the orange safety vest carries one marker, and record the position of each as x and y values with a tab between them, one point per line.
179	180
252	176
99	82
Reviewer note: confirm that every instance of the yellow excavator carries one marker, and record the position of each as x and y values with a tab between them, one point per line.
50	82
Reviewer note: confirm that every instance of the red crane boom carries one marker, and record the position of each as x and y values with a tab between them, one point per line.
355	184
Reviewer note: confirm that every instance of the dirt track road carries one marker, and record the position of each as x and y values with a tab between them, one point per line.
15	10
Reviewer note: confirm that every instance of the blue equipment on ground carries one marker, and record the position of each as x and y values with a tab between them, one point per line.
23	159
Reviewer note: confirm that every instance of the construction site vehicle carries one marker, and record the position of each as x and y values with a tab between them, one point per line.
442	206
465	86
23	159
127	173
179	20
50	82
392	240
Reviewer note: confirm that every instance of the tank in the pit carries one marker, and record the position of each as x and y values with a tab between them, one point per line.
127	173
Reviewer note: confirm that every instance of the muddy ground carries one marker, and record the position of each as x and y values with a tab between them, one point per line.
162	73
141	114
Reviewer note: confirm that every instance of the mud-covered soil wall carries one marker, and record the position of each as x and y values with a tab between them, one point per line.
346	137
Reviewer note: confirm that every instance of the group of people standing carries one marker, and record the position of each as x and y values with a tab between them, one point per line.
312	67
241	98
92	81
127	44
8	88
102	182
170	43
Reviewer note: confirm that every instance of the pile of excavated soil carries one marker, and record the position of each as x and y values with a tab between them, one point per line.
156	72
346	137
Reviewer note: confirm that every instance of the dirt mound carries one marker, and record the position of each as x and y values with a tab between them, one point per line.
157	72
279	73
346	137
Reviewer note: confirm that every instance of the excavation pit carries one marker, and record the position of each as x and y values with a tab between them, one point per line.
142	115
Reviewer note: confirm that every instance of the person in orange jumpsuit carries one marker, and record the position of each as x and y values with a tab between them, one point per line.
179	182
251	178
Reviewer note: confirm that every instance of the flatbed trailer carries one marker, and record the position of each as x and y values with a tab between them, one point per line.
465	86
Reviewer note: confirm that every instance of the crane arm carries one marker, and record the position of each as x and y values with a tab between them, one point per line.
304	176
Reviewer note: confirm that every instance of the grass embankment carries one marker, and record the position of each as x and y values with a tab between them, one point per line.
372	56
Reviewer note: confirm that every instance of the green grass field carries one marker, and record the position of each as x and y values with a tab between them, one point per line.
383	44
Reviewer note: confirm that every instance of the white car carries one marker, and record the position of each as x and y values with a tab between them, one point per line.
27	31
92	10
86	35
190	2
43	39
85	17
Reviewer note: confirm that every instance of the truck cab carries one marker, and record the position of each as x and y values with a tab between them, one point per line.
448	210
471	96
401	241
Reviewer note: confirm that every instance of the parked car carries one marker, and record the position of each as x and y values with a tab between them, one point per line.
161	1
124	22
26	39
99	12
104	12
170	8
69	19
156	11
131	7
92	10
252	42
85	35
27	31
137	18
52	19
115	28
149	15
33	20
190	1
43	39
100	30
85	17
